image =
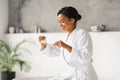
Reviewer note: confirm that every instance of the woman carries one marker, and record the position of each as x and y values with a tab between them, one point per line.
76	51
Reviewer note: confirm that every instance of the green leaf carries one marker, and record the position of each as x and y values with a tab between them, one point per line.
9	57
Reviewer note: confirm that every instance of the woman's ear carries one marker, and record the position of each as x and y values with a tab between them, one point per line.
72	20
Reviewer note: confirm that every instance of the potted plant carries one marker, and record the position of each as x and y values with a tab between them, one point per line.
10	57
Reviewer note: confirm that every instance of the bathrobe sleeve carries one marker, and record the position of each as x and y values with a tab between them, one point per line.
81	49
51	51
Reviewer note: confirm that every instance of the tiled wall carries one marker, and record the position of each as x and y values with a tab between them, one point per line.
3	16
43	13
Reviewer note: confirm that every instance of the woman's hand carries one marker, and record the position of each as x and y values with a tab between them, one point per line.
59	43
42	40
63	45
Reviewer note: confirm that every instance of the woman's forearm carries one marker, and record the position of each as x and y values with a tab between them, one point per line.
67	47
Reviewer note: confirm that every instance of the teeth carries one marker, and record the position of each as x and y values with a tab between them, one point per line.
62	28
43	41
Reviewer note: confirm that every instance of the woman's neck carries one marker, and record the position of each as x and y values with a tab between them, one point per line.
69	32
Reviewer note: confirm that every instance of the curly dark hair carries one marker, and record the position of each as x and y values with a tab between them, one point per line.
70	12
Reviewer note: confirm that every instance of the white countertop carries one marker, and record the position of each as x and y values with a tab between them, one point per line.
32	78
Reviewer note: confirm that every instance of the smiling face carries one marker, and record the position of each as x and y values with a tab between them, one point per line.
66	24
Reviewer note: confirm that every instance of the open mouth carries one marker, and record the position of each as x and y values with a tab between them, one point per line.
62	28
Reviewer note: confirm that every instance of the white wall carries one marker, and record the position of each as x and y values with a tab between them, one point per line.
106	55
3	16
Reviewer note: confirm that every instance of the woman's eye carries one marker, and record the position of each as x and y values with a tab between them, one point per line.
62	21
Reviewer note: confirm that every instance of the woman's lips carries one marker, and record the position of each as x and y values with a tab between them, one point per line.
62	28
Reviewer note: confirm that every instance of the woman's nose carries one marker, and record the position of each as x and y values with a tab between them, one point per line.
60	25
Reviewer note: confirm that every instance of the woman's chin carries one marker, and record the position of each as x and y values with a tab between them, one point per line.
62	30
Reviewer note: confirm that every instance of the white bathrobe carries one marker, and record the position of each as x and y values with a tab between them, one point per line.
79	60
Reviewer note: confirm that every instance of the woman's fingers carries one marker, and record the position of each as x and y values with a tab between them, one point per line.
42	38
58	43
